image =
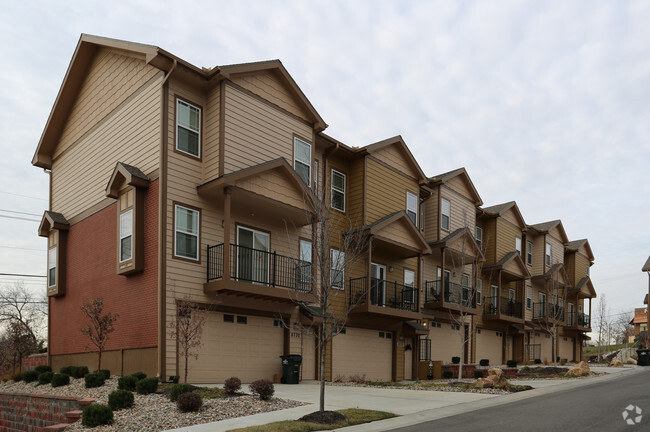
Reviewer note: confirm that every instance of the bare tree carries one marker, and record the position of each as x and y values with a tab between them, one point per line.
187	328
603	323
17	304
101	326
623	330
19	342
557	293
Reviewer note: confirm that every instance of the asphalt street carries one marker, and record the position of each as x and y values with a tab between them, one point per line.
593	407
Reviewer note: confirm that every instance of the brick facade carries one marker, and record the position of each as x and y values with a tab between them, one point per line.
91	259
32	412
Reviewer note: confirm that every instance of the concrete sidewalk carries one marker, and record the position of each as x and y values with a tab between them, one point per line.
413	406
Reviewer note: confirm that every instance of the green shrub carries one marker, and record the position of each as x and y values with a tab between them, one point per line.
455	360
563	361
17	377
189	402
96	415
478	374
263	388
45	378
139	375
60	379
119	399
232	385
146	386
178	389
538	361
81	371
511	363
127	382
106	373
484	362
30	376
447	374
42	369
68	370
95	379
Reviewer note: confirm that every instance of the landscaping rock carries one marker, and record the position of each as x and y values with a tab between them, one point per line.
495	379
630	361
483	383
579	369
616	363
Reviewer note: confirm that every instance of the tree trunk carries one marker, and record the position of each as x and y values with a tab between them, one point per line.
323	357
99	360
185	378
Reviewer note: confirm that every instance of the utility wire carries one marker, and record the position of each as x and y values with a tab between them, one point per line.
23	196
19	218
22	275
17	212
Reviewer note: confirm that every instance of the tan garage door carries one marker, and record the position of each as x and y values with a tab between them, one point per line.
566	348
546	343
308	352
445	342
489	346
363	352
245	346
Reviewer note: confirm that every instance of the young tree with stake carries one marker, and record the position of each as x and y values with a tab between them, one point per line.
101	326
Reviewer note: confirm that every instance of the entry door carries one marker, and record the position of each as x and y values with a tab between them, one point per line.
252	255
378	284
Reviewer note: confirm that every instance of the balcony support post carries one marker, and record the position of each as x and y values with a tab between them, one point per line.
443	281
227	193
368	275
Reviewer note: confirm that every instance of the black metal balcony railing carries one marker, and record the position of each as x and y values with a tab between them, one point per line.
548	311
508	307
384	293
584	320
452	293
260	267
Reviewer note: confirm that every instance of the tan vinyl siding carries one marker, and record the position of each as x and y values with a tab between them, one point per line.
582	262
539	254
267	84
111	79
489	240
507	233
211	128
570	266
510	216
394	157
557	250
80	175
432	216
386	191
459	185
257	133
275	185
463	211
354	193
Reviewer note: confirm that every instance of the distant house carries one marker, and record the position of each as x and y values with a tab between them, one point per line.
640	322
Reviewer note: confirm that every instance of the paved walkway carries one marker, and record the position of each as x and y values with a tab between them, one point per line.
413	406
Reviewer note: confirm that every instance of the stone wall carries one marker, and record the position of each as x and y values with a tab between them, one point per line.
21	412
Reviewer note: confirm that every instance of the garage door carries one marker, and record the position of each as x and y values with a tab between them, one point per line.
445	342
245	346
308	352
489	346
363	352
546	346
566	348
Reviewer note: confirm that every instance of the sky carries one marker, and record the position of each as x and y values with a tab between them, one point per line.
544	103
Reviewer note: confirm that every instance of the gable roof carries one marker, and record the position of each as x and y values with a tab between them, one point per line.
389	219
445	177
646	266
397	141
500	209
52	220
83	56
123	173
462	232
545	227
575	245
507	258
585	287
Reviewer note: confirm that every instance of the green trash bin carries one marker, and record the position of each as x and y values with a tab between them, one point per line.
291	368
643	357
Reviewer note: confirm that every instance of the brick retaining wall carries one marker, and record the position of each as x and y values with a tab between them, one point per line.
20	412
29	363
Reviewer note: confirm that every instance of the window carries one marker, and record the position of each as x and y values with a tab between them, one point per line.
126	235
229	318
186	233
409	286
302	159
529	297
529	253
337	268
188	128
278	323
412	207
465	285
548	254
51	267
305	267
338	191
479	291
316	172
242	319
518	245
445	214
479	237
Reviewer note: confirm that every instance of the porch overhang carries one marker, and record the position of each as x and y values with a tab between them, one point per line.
460	242
256	291
397	235
511	265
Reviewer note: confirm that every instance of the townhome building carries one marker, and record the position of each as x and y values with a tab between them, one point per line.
170	183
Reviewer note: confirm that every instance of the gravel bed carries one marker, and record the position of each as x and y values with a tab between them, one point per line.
419	386
153	412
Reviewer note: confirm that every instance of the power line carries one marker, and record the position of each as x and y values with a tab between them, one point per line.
20	248
22	213
22	275
19	218
23	196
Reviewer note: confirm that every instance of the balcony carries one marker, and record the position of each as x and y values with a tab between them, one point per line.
506	310
453	297
548	313
579	321
383	298
258	273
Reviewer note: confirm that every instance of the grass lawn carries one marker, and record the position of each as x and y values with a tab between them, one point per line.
354	416
591	350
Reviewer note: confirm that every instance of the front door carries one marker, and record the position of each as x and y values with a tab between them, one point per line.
252	255
378	284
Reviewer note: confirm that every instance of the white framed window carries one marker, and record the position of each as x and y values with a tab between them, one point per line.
186	233
338	191
548	254
445	214
302	159
305	269
316	173
518	245
479	292
529	253
479	236
188	128
337	268
126	235
51	267
409	286
412	207
529	297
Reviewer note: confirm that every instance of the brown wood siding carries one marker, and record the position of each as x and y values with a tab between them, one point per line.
129	134
557	250
432	216
459	185
211	129
394	157
111	79
539	254
386	191
511	217
463	211
582	262
256	133
507	233
489	240
570	266
275	185
268	85
354	193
